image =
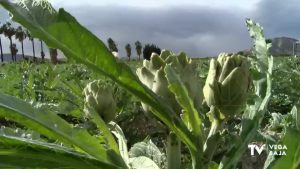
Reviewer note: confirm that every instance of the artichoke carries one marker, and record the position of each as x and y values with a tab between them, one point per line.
99	96
152	74
227	84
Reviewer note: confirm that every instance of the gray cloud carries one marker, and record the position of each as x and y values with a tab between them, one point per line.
279	17
197	30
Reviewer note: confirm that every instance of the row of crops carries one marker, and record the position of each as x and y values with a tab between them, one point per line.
170	112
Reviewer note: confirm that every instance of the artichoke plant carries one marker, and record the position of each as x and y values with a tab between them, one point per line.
152	74
227	84
99	96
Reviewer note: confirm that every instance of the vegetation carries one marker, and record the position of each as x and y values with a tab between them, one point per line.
112	45
21	36
67	116
149	49
9	32
138	47
31	38
128	50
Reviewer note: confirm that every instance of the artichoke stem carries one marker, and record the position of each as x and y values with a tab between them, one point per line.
173	152
214	137
216	126
198	162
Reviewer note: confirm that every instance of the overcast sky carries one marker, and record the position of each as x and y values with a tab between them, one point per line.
198	27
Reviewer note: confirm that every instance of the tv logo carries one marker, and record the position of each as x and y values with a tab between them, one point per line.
276	149
259	149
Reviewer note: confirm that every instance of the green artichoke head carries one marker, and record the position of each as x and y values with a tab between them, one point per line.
227	84
99	96
153	76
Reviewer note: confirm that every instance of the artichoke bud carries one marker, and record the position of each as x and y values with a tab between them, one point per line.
99	96
183	59
146	76
156	62
156	80
165	53
227	67
227	84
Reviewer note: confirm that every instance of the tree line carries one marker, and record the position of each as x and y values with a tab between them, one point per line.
20	34
147	50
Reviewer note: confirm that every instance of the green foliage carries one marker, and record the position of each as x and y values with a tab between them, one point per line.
285	90
52	24
48	86
166	84
254	112
54	127
190	115
278	122
19	151
292	159
97	57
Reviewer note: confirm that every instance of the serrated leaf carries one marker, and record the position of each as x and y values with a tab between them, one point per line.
23	152
254	114
177	87
260	45
51	125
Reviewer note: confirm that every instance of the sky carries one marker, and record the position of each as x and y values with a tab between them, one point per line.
198	27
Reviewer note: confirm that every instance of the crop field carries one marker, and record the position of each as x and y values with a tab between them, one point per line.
96	111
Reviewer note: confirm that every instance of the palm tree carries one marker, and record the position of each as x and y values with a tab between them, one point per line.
21	36
1	32
138	47
53	55
112	45
32	42
128	50
9	32
42	51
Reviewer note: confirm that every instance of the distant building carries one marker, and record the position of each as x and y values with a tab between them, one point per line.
285	46
297	49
